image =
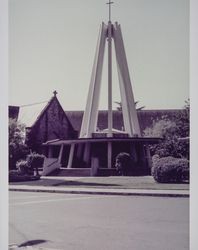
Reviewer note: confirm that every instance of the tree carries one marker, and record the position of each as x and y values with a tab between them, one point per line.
17	148
119	107
171	131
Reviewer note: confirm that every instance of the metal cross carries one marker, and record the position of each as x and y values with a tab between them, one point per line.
109	3
55	92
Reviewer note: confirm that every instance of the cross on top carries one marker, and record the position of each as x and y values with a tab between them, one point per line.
110	3
55	92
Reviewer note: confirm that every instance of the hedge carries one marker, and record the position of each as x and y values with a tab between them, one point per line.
170	169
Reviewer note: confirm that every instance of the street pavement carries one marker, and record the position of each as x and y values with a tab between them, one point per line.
99	222
37	198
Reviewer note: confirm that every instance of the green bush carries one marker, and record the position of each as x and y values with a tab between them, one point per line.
23	172
170	169
35	161
23	168
123	163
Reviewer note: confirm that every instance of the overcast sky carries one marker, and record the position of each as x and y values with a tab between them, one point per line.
52	45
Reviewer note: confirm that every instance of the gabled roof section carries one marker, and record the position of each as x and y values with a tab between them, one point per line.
30	115
145	117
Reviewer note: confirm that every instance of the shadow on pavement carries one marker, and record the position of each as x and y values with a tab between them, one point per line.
56	183
81	183
32	243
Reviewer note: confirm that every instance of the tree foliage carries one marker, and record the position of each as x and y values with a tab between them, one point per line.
175	133
17	148
119	107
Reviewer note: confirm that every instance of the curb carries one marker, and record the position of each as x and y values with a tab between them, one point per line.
134	192
15	247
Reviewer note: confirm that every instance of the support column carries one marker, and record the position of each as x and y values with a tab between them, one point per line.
90	116
109	154
131	122
133	152
50	152
110	125
86	155
110	119
71	156
60	154
79	151
148	156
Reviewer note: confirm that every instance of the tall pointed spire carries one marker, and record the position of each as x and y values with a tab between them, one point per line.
110	3
108	33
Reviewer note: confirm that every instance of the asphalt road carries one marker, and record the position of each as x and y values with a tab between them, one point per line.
96	222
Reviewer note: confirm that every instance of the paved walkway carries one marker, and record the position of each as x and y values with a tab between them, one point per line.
144	185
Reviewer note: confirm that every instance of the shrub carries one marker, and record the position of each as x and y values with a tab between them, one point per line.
123	163
23	168
23	172
35	161
170	169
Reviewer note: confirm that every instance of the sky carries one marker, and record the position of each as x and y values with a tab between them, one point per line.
52	46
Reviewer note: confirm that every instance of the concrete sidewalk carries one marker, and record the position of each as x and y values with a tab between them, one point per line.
136	186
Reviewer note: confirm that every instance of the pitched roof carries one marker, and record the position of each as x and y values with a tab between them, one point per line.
30	114
145	117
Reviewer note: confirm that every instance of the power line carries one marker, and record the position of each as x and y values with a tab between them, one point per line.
32	104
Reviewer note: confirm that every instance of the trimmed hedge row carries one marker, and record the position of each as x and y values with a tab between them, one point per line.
170	169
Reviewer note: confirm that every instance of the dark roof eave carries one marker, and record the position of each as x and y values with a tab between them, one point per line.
146	140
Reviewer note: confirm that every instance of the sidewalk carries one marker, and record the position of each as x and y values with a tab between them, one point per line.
141	185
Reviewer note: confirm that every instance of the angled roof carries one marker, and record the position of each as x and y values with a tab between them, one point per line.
145	117
29	114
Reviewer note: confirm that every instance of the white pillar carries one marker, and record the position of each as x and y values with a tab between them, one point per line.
71	156
148	157
90	116
60	154
110	125
109	154
131	122
86	155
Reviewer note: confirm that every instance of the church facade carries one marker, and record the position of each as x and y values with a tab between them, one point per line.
53	125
